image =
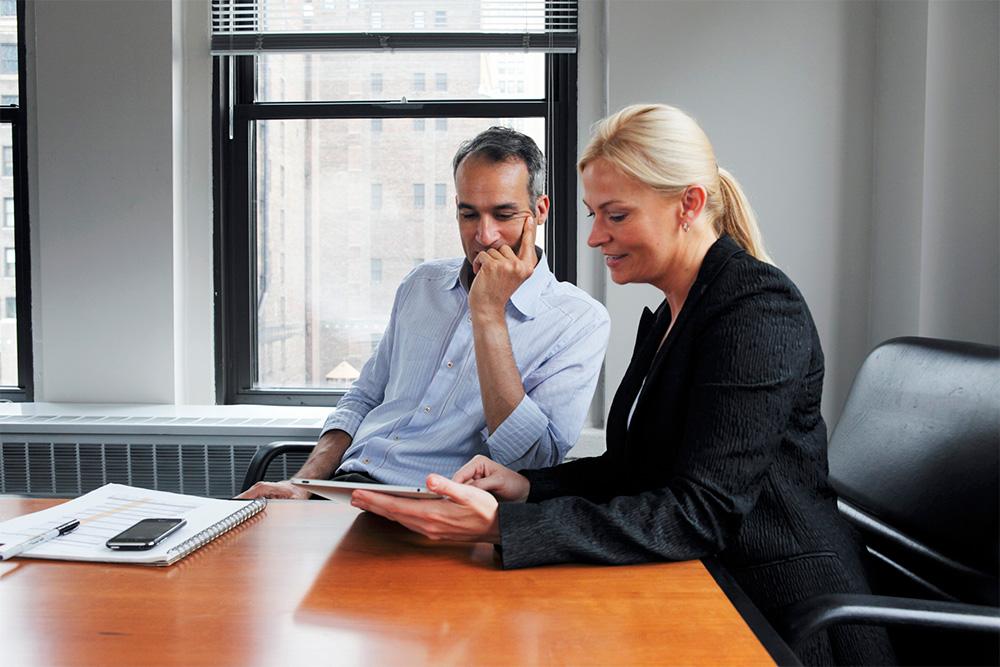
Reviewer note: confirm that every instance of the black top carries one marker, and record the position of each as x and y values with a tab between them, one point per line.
725	454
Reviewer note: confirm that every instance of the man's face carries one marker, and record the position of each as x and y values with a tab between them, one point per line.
493	204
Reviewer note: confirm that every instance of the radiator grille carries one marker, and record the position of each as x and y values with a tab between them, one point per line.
64	469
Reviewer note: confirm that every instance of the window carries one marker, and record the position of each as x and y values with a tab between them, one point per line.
376	20
15	334
367	190
8	58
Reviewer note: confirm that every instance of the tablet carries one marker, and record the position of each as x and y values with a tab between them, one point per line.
341	491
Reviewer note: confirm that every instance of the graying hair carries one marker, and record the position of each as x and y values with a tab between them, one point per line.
499	144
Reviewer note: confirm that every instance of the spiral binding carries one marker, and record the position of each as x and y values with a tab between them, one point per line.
215	530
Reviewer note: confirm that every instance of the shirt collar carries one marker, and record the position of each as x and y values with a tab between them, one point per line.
525	298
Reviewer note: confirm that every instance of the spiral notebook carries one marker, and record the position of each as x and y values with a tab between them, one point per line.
105	512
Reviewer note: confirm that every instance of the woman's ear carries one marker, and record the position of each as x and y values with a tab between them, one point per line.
693	201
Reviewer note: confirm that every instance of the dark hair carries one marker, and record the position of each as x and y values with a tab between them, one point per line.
499	144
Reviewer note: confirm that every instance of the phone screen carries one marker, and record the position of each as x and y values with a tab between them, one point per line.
145	534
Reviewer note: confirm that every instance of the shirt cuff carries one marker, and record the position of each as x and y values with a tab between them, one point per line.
516	434
344	420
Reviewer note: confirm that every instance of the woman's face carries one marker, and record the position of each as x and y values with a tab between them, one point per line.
633	225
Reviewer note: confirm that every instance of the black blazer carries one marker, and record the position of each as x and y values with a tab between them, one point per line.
725	453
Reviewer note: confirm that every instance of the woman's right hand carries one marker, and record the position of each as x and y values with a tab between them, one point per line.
486	474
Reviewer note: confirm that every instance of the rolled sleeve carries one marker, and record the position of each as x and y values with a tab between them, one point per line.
524	427
343	420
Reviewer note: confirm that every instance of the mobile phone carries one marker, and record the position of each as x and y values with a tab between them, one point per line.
145	534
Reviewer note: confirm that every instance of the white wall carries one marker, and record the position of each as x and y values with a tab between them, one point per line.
121	210
865	135
784	90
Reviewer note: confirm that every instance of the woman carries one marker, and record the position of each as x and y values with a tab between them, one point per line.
715	442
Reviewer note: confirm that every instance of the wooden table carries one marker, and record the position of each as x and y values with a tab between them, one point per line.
311	582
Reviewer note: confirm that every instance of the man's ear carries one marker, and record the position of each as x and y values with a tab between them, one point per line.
542	210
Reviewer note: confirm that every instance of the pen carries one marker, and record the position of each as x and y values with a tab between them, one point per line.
12	550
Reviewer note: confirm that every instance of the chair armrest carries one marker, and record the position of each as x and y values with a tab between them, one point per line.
263	456
805	618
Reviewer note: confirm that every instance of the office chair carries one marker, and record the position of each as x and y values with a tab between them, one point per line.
914	459
262	458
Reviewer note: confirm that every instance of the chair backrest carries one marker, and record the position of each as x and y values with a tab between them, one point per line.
915	459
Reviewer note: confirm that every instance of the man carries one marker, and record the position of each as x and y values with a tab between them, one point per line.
486	354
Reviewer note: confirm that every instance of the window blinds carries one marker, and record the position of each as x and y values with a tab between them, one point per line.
241	27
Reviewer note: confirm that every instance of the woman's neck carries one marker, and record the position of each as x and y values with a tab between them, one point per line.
677	283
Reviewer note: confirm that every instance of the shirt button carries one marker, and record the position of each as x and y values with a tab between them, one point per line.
427	408
366	461
450	364
395	437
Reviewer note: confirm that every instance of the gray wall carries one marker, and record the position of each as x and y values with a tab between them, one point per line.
819	110
865	135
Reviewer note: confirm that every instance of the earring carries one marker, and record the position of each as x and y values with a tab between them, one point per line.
686	226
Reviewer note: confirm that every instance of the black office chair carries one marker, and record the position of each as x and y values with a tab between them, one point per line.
914	459
257	471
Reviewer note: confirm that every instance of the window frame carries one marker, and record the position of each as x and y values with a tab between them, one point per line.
234	88
16	118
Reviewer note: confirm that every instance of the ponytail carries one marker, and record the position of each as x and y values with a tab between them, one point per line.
737	218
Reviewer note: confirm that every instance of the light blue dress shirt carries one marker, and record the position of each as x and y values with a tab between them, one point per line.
416	407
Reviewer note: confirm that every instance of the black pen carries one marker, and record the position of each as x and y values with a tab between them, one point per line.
12	550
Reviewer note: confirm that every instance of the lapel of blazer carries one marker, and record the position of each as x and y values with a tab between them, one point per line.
715	260
651	328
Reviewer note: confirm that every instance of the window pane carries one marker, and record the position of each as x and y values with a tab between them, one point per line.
339	232
8	285
295	77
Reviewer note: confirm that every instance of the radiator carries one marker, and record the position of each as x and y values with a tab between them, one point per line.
67	454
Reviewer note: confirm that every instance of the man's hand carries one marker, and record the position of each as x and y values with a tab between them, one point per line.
499	272
486	474
274	490
466	514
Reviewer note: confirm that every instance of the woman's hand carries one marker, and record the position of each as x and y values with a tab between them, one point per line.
466	514
486	474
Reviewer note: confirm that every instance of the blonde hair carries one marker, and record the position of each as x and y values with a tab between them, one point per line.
663	147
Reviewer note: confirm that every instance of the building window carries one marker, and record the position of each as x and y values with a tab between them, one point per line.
8	7
8	58
9	268
8	100
10	307
8	161
376	20
324	224
8	211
